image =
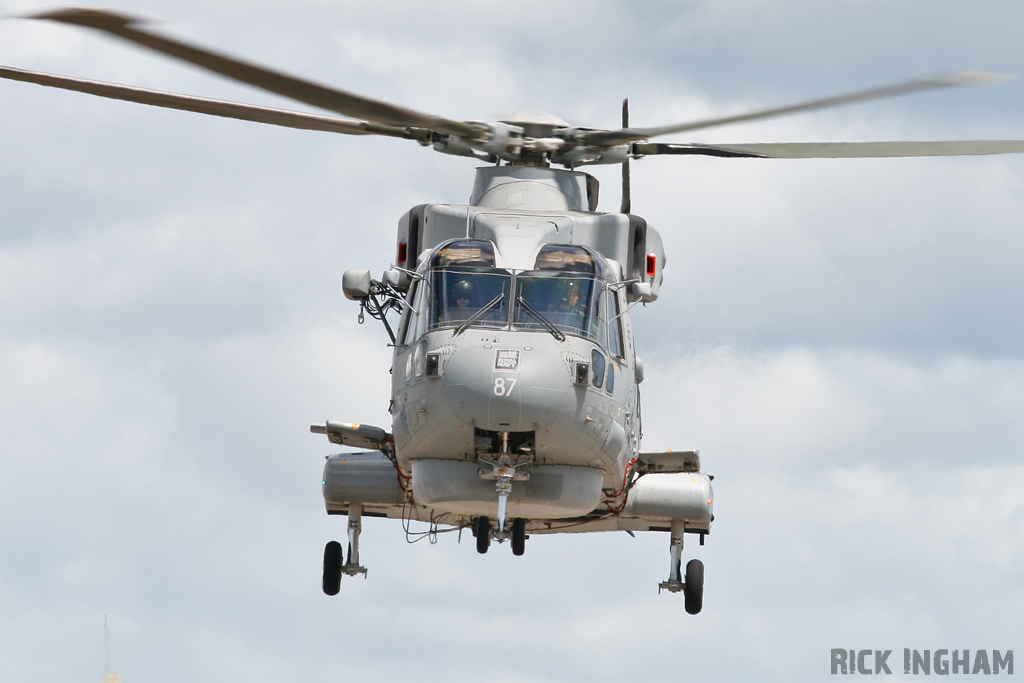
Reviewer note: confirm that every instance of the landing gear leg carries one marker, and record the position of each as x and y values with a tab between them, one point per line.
693	583
504	472
504	487
355	525
675	582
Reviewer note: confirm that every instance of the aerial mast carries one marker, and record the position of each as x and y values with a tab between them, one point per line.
108	675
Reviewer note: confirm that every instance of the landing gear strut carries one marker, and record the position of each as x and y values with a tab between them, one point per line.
693	585
504	471
503	486
355	525
334	558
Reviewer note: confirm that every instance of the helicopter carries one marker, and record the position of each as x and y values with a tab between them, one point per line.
517	412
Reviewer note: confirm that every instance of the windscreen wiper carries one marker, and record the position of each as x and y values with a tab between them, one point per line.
543	320
479	314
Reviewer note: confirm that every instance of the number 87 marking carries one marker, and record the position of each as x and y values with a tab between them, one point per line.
503	386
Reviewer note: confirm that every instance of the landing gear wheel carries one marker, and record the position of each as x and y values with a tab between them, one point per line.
518	536
694	586
332	568
482	528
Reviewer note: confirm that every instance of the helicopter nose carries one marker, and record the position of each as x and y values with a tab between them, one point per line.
506	389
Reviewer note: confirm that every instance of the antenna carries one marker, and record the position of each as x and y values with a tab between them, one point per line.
108	675
625	207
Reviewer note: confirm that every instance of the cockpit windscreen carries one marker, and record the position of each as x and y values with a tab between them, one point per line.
476	295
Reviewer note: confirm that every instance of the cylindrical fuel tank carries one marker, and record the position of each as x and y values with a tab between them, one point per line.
684	496
361	478
552	491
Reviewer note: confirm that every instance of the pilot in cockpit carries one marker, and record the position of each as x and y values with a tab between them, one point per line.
463	308
568	310
571	303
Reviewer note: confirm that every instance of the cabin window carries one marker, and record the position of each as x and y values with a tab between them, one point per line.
597	363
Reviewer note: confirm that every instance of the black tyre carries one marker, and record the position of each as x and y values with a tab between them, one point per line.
694	586
518	536
483	534
332	568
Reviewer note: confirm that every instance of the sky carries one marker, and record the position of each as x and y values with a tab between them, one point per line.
843	340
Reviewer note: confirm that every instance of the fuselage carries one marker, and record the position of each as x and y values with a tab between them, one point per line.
516	342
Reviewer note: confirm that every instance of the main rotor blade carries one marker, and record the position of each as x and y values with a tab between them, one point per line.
202	105
838	150
296	88
959	78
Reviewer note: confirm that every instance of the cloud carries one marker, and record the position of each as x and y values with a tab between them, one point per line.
837	407
840	339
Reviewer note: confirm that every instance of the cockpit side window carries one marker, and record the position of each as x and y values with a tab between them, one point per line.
613	325
408	315
414	324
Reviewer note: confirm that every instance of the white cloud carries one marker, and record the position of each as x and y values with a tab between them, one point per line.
841	341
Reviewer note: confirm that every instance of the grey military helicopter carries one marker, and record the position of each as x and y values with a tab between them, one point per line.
515	380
